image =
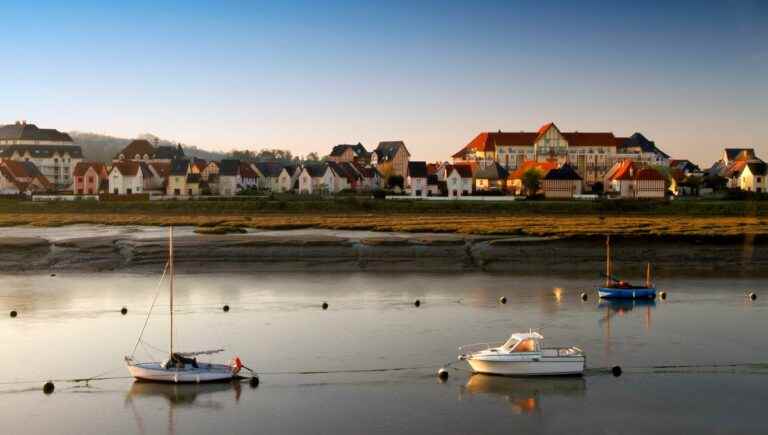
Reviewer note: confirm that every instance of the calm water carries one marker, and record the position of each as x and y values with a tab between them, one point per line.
70	326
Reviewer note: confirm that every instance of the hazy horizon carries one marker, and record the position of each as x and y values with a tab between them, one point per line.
304	76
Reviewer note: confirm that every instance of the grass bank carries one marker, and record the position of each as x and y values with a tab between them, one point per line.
538	218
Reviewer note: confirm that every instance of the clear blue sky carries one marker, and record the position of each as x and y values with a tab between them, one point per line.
306	75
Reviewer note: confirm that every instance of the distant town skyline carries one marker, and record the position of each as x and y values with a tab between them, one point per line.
304	76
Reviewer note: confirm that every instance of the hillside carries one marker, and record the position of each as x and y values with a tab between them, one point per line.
103	148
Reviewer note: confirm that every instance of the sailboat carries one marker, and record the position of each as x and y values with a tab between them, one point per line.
619	289
180	367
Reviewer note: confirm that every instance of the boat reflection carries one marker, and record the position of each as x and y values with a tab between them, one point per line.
180	396
185	395
525	395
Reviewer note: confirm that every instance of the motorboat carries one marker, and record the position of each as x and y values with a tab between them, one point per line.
180	367
615	288
523	355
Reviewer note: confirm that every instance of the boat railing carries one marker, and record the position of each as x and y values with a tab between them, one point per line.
468	349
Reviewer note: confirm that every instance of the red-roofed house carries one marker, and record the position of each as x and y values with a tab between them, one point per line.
515	178
90	178
22	178
627	179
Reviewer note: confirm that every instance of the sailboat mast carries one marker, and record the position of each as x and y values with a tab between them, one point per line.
608	261
648	275
170	262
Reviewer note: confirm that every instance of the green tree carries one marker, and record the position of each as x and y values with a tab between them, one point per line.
532	181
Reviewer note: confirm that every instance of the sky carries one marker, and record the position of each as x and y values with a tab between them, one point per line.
306	75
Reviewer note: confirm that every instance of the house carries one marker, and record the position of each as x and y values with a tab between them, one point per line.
749	176
416	182
491	177
628	179
638	148
349	153
248	176
160	172
311	179
212	168
562	182
391	158
90	178
126	178
341	176
685	166
52	152
460	181
177	178
229	181
22	178
370	177
515	178
288	179
269	175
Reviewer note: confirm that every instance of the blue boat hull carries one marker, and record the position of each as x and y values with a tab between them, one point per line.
626	293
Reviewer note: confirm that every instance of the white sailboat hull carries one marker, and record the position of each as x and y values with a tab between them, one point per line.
154	372
561	366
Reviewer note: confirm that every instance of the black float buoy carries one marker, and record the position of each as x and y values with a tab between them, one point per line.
503	299
225	308
48	387
123	311
752	296
442	374
663	295
14	313
616	371
325	305
53	274
254	381
417	303
584	296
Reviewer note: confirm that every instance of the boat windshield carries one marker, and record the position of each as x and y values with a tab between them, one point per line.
510	344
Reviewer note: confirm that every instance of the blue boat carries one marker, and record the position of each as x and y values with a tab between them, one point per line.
619	289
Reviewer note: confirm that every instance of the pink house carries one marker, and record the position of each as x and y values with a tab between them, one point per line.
89	177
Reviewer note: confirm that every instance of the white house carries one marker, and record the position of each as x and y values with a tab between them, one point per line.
312	179
288	177
752	177
416	180
459	181
126	178
269	175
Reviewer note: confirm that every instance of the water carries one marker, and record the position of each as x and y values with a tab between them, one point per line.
70	326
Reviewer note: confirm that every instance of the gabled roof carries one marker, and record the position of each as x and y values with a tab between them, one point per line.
82	167
758	168
246	170
544	129
137	147
623	170
358	150
464	170
489	141
417	169
162	169
315	170
229	168
291	169
640	142
492	172
127	168
684	165
527	165
649	174
270	169
344	170
179	167
366	171
565	172
24	131
577	139
740	153
387	149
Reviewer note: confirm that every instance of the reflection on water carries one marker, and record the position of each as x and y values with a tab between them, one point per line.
525	395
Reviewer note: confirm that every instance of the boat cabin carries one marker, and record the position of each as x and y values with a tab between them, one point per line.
527	342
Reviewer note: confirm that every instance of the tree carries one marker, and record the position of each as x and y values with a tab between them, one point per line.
716	182
312	157
694	183
532	181
395	181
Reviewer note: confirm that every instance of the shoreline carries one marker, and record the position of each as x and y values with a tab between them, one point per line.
366	252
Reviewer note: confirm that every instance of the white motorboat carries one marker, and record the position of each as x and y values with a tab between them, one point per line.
180	367
523	355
